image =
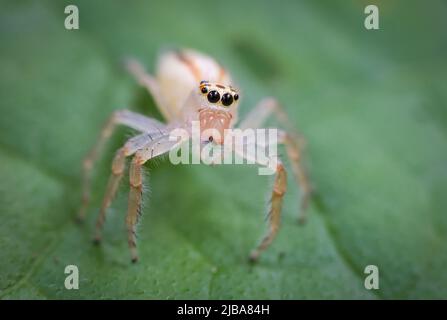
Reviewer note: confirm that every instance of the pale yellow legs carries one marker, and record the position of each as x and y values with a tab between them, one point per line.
152	142
145	148
134	204
274	213
112	186
152	150
294	154
292	141
122	117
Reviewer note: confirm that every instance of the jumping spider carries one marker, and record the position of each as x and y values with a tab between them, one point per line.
188	86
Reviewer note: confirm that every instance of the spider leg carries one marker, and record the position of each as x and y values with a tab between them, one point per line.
293	142
276	197
300	174
157	147
118	166
274	213
122	117
146	80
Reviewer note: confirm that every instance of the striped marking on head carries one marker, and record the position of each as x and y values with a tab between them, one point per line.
218	94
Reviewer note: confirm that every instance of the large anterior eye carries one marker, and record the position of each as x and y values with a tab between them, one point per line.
213	96
227	99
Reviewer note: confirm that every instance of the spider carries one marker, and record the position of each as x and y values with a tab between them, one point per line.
188	86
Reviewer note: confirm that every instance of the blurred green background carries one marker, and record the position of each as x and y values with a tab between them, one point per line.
372	105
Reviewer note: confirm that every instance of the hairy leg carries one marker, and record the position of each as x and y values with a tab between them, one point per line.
118	165
120	117
274	213
112	186
300	174
134	205
276	198
157	147
293	142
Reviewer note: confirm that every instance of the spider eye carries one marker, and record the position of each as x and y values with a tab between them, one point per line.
236	96
213	96
227	99
204	89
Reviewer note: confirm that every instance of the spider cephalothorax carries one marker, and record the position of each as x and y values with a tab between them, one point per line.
183	97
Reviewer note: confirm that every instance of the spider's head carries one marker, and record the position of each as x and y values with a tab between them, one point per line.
218	109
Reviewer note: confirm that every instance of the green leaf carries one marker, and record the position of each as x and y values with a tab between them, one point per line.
370	103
